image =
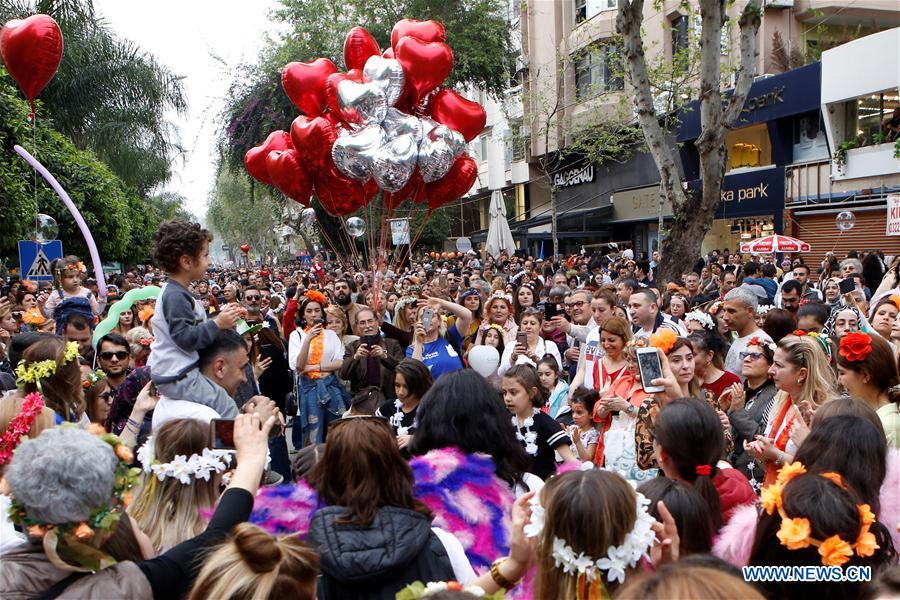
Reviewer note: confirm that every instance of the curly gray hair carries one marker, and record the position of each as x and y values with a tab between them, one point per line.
62	475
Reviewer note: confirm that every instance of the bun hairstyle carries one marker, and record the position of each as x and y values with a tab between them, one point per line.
690	433
254	565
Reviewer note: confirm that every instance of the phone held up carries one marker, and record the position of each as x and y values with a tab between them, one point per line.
650	369
427	317
222	434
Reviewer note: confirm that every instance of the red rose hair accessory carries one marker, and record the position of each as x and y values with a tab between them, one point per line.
799	332
20	425
855	347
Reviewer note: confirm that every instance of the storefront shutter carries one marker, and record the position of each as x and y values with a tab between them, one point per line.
820	231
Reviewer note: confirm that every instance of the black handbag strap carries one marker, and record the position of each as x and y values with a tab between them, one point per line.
60	586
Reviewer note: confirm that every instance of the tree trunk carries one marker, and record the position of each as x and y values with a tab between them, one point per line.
554	232
693	213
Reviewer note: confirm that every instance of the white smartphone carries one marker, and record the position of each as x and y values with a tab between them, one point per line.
650	369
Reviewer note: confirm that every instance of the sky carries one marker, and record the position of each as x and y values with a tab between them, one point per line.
184	35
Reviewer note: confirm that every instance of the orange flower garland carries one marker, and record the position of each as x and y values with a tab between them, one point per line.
664	339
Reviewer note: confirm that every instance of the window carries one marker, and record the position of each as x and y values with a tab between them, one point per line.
580	10
598	70
585	9
870	120
680	26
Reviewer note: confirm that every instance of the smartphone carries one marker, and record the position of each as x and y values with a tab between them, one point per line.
847	285
370	340
222	434
650	369
551	309
427	316
522	338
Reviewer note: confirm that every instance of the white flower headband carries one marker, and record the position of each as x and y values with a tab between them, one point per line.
762	309
402	302
183	468
701	317
618	558
499	295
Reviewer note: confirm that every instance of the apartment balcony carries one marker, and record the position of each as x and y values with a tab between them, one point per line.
880	13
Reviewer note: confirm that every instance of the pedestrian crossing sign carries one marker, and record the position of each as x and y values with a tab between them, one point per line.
35	259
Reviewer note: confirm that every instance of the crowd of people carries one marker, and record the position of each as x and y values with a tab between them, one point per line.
460	427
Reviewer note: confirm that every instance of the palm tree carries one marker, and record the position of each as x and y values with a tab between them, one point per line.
109	96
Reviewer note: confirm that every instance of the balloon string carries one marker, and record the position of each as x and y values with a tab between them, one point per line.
37	208
408	253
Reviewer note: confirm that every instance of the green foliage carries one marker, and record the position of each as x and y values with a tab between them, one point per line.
108	207
243	213
108	95
477	31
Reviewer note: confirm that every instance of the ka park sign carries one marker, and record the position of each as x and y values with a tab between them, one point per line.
35	259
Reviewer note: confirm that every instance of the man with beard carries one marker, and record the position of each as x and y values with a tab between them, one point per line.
113	358
343	298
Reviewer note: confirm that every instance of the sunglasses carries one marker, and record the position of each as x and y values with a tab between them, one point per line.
119	355
751	355
250	298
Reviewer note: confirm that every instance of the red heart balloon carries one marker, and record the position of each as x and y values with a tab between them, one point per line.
255	159
331	86
288	175
245	248
414	190
31	50
427	31
359	45
313	139
425	64
389	53
456	112
338	194
458	180
304	83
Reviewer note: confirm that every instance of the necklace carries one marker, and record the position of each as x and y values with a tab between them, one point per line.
529	438
397	419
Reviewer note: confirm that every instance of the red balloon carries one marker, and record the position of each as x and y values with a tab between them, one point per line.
331	85
288	175
458	180
359	45
427	31
304	83
245	248
31	50
425	64
313	139
389	53
456	112
413	190
339	195
255	159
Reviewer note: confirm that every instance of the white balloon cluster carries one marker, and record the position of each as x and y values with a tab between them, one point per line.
384	142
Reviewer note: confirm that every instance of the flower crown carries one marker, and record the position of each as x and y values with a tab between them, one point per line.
316	296
855	347
79	543
500	295
34	372
701	317
796	533
823	340
639	342
20	425
73	267
636	545
763	309
404	302
182	468
664	339
92	378
757	341
417	590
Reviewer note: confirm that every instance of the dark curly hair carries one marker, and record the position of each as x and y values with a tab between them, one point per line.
175	239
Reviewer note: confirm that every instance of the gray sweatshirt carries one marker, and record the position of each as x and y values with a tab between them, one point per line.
180	328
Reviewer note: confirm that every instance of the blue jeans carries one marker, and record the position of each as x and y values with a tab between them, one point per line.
321	402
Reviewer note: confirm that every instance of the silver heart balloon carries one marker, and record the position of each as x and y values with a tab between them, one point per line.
387	74
435	159
427	125
361	104
395	163
354	154
397	123
453	138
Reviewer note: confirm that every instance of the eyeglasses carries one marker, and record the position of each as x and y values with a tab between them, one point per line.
119	355
751	355
250	298
575	304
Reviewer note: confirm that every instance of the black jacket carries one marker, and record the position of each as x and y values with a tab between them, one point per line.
356	371
375	562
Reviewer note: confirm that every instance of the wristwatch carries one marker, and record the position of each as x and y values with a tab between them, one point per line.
631	409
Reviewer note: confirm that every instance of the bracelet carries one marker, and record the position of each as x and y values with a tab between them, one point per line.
498	577
132	423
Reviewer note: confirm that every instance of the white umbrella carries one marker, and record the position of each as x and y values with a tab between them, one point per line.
499	237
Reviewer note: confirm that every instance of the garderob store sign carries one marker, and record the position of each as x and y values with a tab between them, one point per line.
893	215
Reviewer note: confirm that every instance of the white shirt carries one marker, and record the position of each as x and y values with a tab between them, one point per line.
169	410
332	349
540	350
463	572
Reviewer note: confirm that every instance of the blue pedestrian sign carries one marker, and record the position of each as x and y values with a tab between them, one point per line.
35	259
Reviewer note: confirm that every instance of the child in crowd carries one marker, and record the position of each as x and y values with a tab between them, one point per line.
584	436
539	434
412	380
180	327
67	274
558	390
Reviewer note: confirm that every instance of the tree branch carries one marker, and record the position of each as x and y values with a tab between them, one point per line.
749	24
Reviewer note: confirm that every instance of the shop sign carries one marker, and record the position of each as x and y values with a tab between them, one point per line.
893	215
776	96
575	176
748	193
753	193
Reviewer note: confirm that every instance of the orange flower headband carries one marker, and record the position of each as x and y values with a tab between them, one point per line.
796	533
856	346
316	296
664	339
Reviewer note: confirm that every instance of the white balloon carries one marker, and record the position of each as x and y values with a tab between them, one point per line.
484	359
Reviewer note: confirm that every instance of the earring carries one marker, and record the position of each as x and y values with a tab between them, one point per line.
799	381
